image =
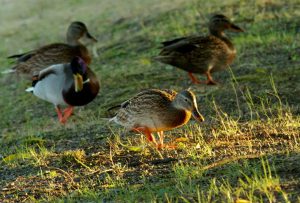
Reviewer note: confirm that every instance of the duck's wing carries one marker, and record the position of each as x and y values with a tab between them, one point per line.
22	57
182	45
34	61
173	41
171	93
47	71
149	97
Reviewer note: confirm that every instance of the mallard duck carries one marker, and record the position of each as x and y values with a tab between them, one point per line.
72	84
202	54
32	62
157	110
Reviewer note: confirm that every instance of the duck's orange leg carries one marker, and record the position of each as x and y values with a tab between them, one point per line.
161	144
67	113
194	79
146	132
59	114
210	81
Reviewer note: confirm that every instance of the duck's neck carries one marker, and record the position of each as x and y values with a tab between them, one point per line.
221	35
69	80
178	116
217	32
72	41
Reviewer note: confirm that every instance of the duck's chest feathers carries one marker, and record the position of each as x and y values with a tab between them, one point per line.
84	54
231	55
230	50
86	95
179	118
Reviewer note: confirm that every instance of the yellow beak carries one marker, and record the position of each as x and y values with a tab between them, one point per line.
78	81
197	115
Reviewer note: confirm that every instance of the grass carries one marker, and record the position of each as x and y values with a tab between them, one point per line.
247	150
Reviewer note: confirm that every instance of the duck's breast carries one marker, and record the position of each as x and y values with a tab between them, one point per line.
86	95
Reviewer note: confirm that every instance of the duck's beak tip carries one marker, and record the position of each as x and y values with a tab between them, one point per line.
198	116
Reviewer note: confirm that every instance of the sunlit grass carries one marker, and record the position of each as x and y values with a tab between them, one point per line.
245	151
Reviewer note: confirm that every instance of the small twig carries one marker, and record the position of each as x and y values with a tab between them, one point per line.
82	164
227	160
100	172
63	172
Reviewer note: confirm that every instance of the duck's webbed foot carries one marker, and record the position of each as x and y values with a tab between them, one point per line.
210	80
194	79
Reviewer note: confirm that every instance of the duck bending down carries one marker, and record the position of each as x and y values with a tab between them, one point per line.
32	62
72	84
202	54
155	110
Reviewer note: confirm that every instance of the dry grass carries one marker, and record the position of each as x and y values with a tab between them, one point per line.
246	150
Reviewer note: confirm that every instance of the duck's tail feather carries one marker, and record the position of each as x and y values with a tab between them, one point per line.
162	59
114	107
29	89
15	56
8	71
113	119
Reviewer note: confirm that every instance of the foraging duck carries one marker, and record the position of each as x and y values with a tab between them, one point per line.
32	62
72	84
202	54
156	110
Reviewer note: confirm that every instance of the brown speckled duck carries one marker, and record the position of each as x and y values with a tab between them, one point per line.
202	54
71	84
156	110
32	62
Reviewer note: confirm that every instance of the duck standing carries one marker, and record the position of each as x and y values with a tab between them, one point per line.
157	110
71	84
202	54
32	62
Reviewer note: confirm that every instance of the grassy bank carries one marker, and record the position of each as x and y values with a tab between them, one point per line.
247	149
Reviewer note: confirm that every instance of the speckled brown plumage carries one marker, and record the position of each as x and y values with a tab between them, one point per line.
32	62
156	110
202	54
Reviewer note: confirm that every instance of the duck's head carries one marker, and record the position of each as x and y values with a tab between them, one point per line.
218	23
76	31
79	70
186	100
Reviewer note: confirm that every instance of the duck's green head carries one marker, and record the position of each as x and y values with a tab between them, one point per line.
186	100
79	70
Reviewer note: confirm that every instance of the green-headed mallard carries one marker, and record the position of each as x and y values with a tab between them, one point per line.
34	61
71	84
202	54
156	110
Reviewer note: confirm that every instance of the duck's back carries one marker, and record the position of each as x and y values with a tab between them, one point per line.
149	108
197	54
33	62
